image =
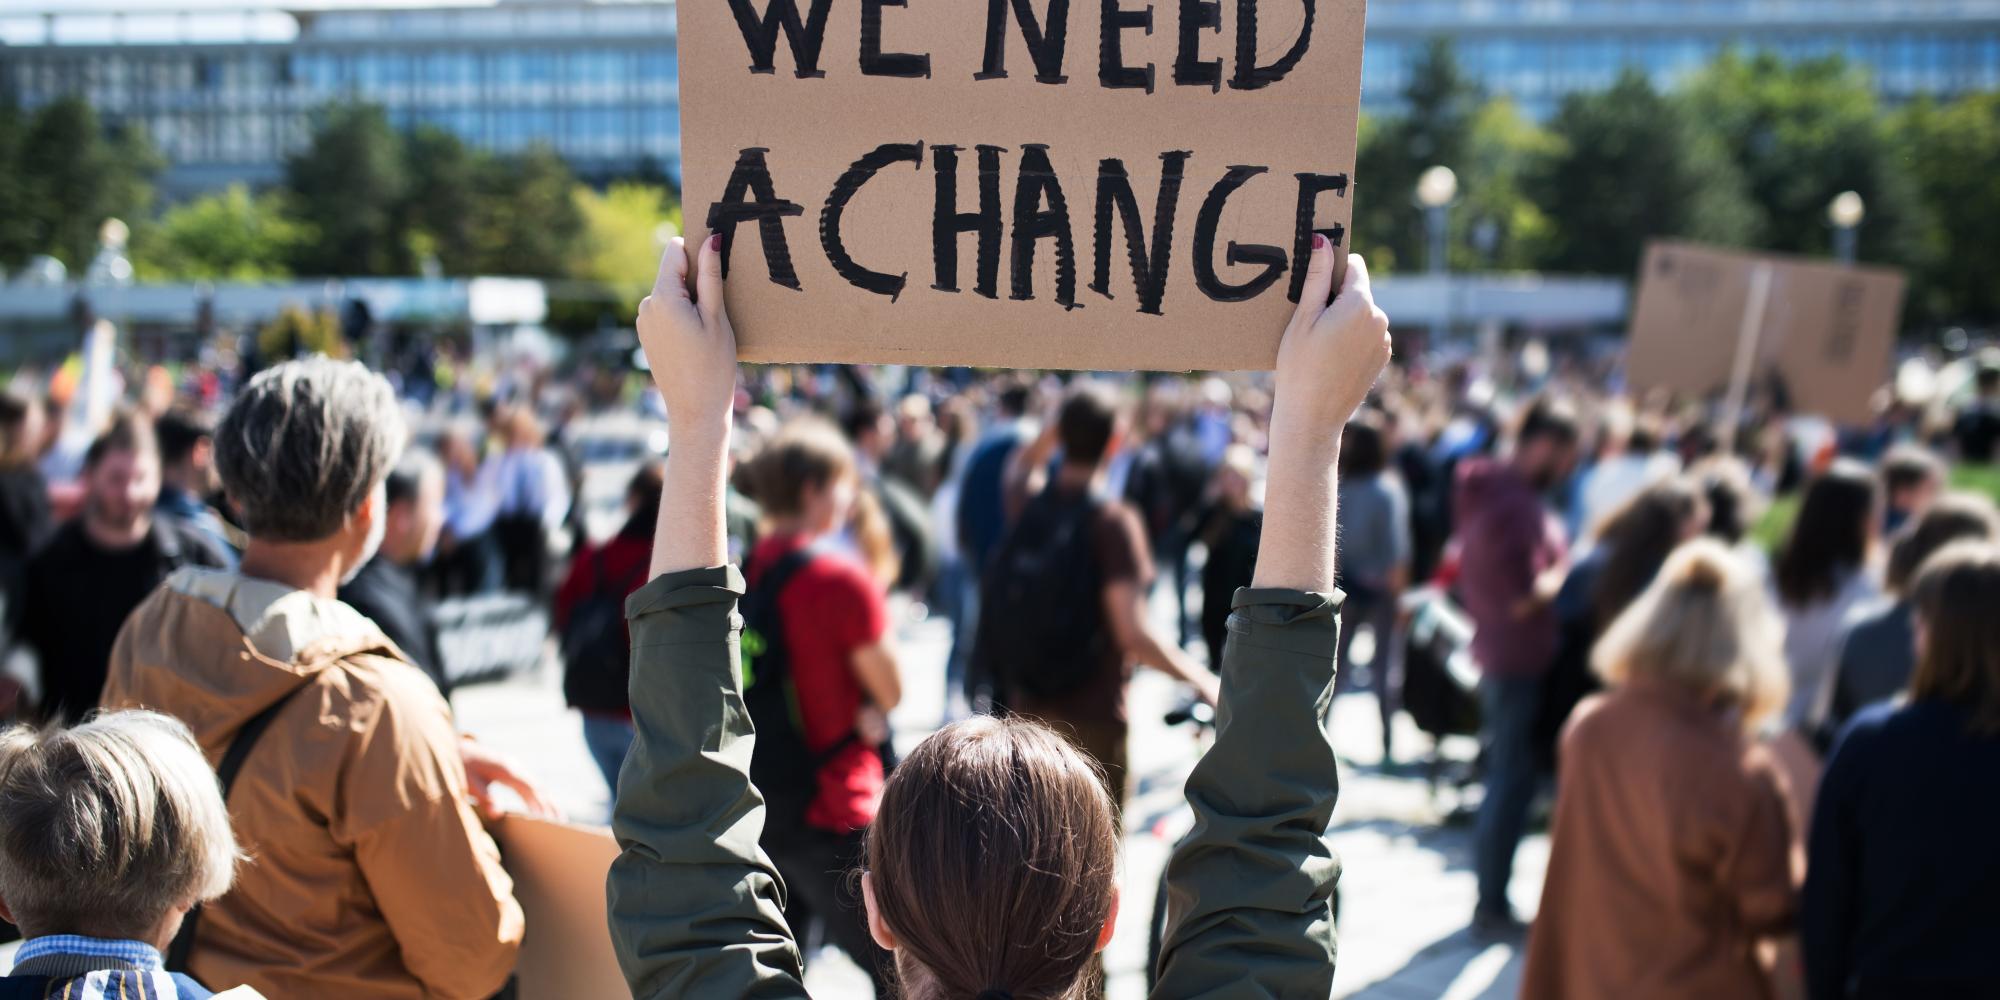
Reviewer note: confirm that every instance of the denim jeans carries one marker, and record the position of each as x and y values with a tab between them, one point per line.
1510	705
608	738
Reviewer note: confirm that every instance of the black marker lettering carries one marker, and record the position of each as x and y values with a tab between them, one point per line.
752	176
1249	75
947	221
1045	39
1205	226
1149	271
836	204
1310	186
1190	69
804	37
1031	223
1112	72
874	61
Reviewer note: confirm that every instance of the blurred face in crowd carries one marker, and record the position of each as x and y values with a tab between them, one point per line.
1547	460
414	524
120	489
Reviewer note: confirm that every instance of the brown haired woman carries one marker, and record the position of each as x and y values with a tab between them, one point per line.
1903	887
990	863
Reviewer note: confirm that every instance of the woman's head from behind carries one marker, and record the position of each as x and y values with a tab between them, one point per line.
113	829
1958	633
991	864
1956	517
1705	627
1836	527
1639	536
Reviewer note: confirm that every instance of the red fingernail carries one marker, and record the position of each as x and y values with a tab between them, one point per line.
1320	242
715	241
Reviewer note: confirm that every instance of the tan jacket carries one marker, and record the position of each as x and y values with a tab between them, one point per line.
370	875
1672	856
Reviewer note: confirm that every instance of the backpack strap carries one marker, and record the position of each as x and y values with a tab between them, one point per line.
233	758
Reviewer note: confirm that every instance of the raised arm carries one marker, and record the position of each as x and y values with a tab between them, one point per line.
1251	886
695	905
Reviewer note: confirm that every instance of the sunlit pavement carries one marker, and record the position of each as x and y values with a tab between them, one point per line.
1406	893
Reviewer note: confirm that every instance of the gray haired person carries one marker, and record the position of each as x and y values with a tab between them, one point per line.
374	876
109	833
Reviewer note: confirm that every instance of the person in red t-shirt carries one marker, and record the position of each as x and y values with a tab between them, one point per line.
836	622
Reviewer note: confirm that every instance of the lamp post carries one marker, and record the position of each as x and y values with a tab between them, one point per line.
1845	213
1437	188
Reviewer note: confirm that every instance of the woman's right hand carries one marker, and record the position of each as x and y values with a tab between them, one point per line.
689	344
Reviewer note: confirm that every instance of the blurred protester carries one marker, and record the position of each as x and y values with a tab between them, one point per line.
187	478
25	520
826	618
374	876
1671	852
1878	654
470	559
590	618
1629	547
891	510
1168	477
1628	461
1374	519
1063	610
534	500
1734	506
1821	575
1902	895
981	520
110	833
913	459
1912	477
1976	433
386	587
100	565
1229	531
1508	541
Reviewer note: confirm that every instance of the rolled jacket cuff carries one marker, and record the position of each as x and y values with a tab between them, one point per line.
1299	621
686	589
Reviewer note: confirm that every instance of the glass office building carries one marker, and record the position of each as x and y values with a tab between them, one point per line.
225	94
1536	51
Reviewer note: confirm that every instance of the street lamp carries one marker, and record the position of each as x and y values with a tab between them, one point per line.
1845	212
1436	190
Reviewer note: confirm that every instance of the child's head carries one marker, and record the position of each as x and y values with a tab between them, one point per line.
991	864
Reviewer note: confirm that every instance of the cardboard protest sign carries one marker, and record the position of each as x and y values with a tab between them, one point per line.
1029	183
559	871
1828	330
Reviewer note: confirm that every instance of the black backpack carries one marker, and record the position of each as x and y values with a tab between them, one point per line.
1041	603
784	769
597	659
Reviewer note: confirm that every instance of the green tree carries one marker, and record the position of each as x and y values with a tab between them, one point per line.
527	221
73	174
441	202
1497	224
1630	164
1802	132
350	186
228	236
1435	127
18	238
1949	151
620	245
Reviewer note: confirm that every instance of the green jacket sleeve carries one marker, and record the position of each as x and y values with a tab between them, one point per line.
696	908
1251	887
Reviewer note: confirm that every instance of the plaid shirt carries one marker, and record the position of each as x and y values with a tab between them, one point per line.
74	967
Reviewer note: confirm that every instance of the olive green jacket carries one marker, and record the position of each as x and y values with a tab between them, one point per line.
697	909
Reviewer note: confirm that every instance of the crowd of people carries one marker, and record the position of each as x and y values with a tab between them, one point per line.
1765	763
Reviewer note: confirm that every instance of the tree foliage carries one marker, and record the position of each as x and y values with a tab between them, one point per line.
1950	152
351	182
1629	164
62	174
229	236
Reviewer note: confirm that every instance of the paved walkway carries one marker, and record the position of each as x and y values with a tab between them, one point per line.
1405	895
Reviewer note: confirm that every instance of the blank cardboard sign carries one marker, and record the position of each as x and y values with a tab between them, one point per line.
1828	334
559	871
1115	184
